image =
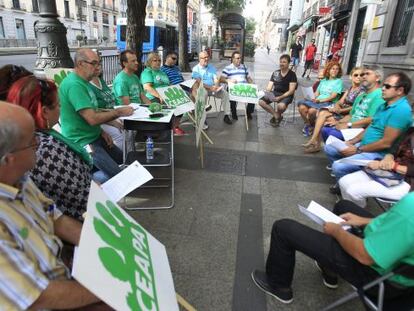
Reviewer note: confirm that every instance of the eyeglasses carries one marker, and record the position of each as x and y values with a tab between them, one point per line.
388	86
94	63
34	144
358	75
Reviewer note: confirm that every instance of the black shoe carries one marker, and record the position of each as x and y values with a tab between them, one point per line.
249	116
234	117
334	189
227	119
208	107
284	295
329	280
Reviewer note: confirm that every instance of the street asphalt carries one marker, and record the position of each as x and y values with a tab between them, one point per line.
219	229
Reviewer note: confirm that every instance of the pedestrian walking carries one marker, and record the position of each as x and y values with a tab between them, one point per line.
310	53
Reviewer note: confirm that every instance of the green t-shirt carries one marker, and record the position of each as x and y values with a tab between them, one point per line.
366	104
156	77
76	94
326	87
389	239
127	85
103	95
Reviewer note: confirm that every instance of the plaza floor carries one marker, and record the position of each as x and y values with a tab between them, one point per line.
219	229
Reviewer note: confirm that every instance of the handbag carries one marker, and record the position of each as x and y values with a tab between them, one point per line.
385	178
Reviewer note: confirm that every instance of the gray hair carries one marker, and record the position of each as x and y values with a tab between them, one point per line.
151	56
379	72
10	135
80	55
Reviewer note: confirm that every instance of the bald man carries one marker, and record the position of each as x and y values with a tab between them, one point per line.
32	273
81	119
208	74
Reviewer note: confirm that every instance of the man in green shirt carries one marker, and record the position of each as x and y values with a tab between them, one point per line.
387	242
81	119
127	87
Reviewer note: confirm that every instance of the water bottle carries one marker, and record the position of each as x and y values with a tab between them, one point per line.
150	148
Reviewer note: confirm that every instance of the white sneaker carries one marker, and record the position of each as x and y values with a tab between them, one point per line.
205	126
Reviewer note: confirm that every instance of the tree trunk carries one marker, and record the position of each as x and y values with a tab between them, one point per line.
182	35
136	12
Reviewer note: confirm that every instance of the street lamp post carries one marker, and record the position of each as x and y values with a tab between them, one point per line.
52	46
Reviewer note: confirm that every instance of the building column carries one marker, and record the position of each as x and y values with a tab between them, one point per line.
52	45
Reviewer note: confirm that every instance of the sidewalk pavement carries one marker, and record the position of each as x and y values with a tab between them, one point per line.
219	229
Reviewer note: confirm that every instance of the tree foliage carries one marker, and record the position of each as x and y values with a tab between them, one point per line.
218	6
250	26
136	12
182	35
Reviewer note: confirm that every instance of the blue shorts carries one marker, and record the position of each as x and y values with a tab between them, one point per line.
295	61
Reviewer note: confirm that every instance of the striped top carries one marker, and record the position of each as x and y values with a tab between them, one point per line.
173	73
28	247
238	73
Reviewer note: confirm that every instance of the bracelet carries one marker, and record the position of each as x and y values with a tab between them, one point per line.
394	168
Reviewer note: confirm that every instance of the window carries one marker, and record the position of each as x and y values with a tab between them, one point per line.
123	32
160	16
67	12
401	24
105	32
16	4
160	4
2	36
114	20
105	18
95	16
35	6
20	32
150	15
149	4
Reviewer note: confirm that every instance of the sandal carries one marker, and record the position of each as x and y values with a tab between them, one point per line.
314	148
307	144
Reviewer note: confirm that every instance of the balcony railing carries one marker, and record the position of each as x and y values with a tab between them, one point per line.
342	6
17	5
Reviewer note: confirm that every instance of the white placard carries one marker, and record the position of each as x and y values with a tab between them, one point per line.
129	179
175	97
348	134
321	215
351	161
188	83
336	143
120	262
244	93
308	92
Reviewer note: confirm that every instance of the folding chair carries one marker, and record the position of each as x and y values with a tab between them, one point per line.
290	109
404	270
384	204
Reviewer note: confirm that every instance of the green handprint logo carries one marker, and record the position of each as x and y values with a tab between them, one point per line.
127	257
59	77
244	90
175	96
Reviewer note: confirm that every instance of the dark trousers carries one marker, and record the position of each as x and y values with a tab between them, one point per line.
289	236
233	107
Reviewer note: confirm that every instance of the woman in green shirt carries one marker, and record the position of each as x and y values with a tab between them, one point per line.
152	78
326	95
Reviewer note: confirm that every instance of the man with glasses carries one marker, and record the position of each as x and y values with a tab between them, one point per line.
208	74
127	87
237	72
81	118
391	120
33	275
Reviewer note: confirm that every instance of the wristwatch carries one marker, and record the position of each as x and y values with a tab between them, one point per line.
349	125
359	150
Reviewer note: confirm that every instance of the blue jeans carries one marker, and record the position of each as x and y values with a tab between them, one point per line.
330	130
342	169
106	159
